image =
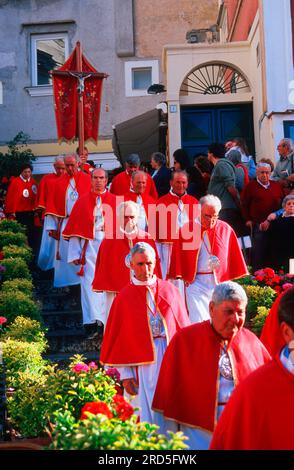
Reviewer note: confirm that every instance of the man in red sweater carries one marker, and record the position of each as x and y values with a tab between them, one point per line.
258	200
21	198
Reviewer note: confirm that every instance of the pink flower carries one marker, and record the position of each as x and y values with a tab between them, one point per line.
3	320
113	373
80	367
287	285
92	365
260	272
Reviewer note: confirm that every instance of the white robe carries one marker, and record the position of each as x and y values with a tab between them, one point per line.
65	274
47	249
93	303
199	292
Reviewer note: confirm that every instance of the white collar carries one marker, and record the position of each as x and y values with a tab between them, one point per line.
150	282
174	194
24	180
129	234
265	186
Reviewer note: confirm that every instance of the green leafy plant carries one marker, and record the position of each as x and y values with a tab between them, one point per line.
18	154
15	304
258	297
11	238
15	268
28	330
9	225
20	356
258	321
23	285
100	433
14	251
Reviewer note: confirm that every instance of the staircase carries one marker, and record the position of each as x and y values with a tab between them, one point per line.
62	316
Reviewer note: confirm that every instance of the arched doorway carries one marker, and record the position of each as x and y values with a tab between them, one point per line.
205	122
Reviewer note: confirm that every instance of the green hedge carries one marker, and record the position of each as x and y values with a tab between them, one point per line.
23	285
27	330
14	251
8	225
11	238
15	268
15	304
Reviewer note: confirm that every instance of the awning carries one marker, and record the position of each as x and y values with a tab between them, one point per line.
140	135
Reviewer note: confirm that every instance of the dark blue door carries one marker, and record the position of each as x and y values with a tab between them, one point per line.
201	126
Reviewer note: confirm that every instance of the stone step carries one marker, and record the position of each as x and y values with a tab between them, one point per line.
46	313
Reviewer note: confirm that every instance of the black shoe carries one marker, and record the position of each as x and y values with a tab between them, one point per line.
91	330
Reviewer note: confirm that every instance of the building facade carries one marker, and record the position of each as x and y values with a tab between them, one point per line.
123	38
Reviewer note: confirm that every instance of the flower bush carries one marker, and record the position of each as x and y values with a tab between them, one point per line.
23	285
8	225
15	268
257	322
98	432
27	330
15	304
14	251
279	281
11	238
258	297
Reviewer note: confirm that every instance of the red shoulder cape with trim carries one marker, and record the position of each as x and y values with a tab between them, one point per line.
127	339
81	220
188	380
57	204
15	200
111	272
45	187
260	412
166	219
271	335
223	244
121	184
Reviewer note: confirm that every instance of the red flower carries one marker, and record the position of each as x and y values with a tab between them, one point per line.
95	408
277	289
269	272
276	279
259	278
123	409
3	320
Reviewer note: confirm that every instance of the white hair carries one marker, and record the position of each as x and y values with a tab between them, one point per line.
59	158
120	210
71	155
229	291
263	165
139	172
143	247
211	200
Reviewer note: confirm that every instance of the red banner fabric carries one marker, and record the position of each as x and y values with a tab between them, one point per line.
66	100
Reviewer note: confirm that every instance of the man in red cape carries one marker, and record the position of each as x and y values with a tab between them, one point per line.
173	211
112	266
206	253
146	203
121	183
47	248
203	364
20	201
143	318
260	413
91	218
65	192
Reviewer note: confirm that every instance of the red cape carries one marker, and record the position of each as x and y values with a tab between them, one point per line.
81	220
188	380
127	339
45	187
260	412
111	272
223	244
121	184
271	335
57	204
166	220
15	200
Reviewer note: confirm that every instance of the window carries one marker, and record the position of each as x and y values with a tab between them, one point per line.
139	75
289	129
49	51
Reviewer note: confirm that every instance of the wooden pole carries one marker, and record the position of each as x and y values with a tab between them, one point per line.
80	103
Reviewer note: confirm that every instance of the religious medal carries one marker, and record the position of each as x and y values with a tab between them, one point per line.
25	193
156	325
213	262
225	367
34	189
74	195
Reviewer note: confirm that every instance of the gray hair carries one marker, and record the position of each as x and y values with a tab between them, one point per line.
59	158
263	165
288	142
123	205
228	291
105	172
139	172
133	159
178	172
143	247
159	158
71	155
211	200
286	199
